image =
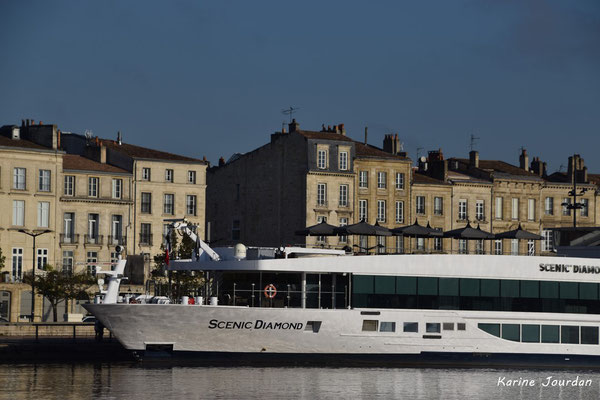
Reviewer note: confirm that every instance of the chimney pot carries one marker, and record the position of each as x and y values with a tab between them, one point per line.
474	158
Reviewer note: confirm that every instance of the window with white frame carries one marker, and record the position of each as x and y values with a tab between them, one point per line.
344	161
145	174
321	194
462	209
69	185
584	207
17	263
362	210
321	159
381	210
479	246
438	244
363	179
42	258
192	177
43	214
381	180
321	219
93	187
169	175
362	243
498	211
69	227
462	246
547	240
92	260
480	210
498	247
44	180
400	244
381	244
420	205
169	204
18	218
531	248
549	206
116	229
399	180
514	247
343	195
19	178
565	206
67	261
515	208
93	228
399	212
117	188
343	222
420	243
438	206
146	204
190	204
531	209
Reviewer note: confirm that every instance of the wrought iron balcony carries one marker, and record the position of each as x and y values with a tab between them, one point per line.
117	240
72	238
94	239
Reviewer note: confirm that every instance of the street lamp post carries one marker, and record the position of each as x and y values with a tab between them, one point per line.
33	234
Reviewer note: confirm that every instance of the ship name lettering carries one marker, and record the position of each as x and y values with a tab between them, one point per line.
258	324
577	269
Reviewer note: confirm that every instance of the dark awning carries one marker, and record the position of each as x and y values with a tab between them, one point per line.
468	233
363	228
518	233
416	230
321	229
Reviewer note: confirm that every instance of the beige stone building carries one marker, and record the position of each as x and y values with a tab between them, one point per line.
91	194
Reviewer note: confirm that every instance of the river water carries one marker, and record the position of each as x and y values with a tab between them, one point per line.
136	381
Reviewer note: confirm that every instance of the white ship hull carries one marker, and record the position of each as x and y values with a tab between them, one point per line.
203	330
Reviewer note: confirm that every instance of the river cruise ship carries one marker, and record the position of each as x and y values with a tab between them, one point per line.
295	305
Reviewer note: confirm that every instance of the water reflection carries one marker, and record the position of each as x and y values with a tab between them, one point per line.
122	381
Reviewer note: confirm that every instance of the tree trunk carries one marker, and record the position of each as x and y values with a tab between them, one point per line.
55	310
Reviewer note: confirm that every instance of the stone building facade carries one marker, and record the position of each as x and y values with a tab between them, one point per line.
92	194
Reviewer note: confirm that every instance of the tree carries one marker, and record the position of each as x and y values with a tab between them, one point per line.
56	285
2	259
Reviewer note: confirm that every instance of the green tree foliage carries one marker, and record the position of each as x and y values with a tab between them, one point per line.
2	259
56	285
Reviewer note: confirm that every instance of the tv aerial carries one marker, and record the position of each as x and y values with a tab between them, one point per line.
473	141
290	111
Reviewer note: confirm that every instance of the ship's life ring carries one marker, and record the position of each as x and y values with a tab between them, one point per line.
191	301
270	291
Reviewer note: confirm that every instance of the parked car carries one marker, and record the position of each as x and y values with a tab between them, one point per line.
89	319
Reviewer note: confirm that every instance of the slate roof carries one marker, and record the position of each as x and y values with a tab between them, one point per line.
75	162
421	178
367	150
143	152
25	144
324	135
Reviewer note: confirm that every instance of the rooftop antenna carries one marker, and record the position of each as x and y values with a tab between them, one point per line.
473	141
88	134
290	111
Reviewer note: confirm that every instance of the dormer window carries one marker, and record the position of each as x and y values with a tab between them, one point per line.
322	159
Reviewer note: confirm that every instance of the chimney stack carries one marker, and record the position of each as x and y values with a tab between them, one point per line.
524	160
538	167
222	161
119	138
102	154
474	158
294	126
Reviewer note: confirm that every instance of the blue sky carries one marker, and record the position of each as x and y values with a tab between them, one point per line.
211	78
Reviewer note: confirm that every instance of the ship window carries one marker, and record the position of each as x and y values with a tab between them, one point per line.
511	332
406	285
588	291
362	284
428	286
589	335
387	327
530	333
385	285
313	326
369	325
461	326
569	334
509	288
448	286
432	327
448	326
568	290
490	287
549	290
411	327
492	329
469	287
530	289
550	334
